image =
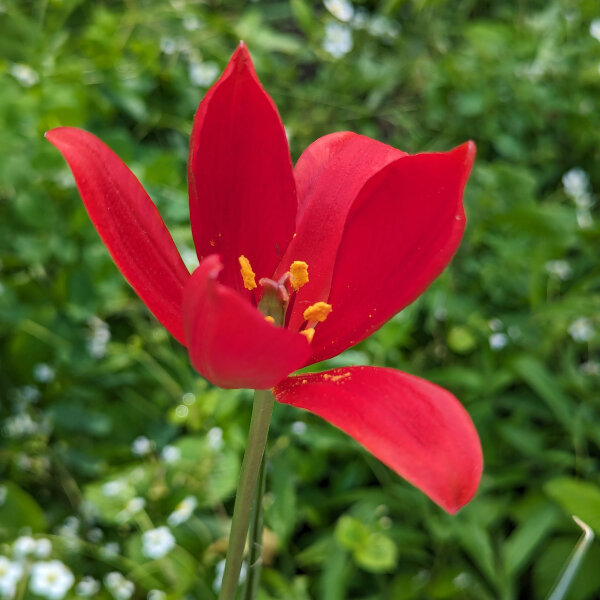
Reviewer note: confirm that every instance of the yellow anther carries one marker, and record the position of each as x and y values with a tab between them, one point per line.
270	319
317	312
248	274
309	334
298	274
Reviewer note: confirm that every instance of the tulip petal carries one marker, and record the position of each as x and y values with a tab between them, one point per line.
418	429
400	234
242	190
229	341
128	223
329	175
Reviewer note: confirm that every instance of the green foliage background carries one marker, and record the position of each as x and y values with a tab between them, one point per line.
520	78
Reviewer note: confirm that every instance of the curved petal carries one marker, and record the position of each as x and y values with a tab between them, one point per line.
128	223
329	175
242	191
229	341
418	429
400	234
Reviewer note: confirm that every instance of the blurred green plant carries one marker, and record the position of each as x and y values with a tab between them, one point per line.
93	392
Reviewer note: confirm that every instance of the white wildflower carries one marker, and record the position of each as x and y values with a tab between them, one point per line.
558	269
10	575
183	511
203	74
113	488
87	587
595	29
24	546
495	324
581	330
142	446
29	393
168	45
576	183
158	542
119	587
50	579
380	26
99	337
24	74
43	548
156	595
170	454
340	9
132	508
190	23
215	438
584	218
338	39
590	368
43	373
220	569
95	534
298	427
498	341
110	549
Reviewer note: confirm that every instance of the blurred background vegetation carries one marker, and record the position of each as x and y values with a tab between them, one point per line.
105	426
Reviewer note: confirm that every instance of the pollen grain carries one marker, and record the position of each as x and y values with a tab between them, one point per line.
298	274
270	319
248	274
317	312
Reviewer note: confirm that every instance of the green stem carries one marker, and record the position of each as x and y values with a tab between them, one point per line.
255	538
262	409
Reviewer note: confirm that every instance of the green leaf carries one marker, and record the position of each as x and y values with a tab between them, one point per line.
578	498
378	555
19	510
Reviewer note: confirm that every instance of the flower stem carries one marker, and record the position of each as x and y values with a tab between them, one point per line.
262	409
255	538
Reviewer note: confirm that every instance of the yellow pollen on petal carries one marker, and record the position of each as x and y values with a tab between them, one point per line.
298	274
317	312
269	319
248	274
309	334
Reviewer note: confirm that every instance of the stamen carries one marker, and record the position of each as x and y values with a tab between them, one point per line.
317	312
248	274
298	274
269	319
308	333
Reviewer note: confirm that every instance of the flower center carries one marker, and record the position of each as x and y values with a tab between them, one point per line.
276	295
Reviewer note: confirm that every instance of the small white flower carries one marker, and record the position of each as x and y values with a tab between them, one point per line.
558	269
50	579
95	534
110	549
220	569
495	324
338	39
29	393
584	218
142	446
43	373
113	488
298	427
10	575
595	29
380	26
576	184
215	438
119	587
170	454
156	595
590	368
340	9
190	23
168	45
134	506
24	74
183	511
581	330
43	548
87	587
99	337
498	341
158	542
203	73
24	546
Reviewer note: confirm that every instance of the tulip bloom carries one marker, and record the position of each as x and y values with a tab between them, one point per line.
296	265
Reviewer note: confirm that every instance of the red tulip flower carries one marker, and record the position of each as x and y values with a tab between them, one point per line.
296	265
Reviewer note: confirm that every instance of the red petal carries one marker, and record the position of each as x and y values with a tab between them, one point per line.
329	175
128	223
230	342
418	429
400	234
242	191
